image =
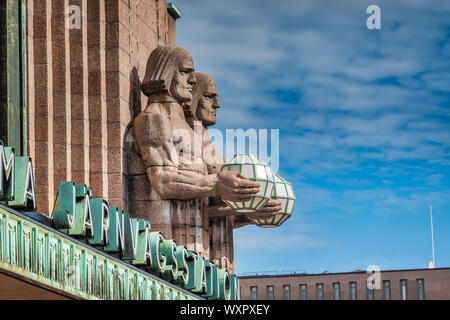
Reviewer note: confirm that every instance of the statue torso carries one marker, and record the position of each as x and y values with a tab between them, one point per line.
187	142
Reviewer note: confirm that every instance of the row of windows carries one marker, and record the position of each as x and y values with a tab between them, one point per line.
337	291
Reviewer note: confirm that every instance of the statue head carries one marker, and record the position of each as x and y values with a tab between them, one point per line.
170	70
204	100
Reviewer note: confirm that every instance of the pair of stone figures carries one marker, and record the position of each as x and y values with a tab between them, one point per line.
185	175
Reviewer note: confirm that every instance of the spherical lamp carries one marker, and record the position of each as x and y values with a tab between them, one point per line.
254	169
284	193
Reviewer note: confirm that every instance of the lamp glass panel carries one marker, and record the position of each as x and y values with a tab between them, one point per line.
262	188
231	204
281	190
257	202
235	168
283	204
269	173
255	159
260	172
276	177
290	192
262	203
248	171
284	219
279	218
290	206
269	190
248	203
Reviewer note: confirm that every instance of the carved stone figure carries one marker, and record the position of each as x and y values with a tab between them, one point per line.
179	179
223	219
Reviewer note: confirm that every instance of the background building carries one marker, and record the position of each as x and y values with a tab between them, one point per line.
414	284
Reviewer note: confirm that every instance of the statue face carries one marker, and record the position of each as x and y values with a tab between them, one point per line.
183	80
207	105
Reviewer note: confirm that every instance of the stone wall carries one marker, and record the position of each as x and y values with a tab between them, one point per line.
83	95
83	90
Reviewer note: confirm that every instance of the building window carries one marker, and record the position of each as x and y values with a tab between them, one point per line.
13	75
404	289
353	291
421	289
254	291
369	293
269	292
303	291
319	291
287	292
337	290
387	290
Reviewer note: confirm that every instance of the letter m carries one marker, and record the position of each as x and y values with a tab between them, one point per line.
6	173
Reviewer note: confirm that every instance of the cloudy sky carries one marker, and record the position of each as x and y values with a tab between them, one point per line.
364	120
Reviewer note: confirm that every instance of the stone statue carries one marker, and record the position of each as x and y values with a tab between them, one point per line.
179	179
223	219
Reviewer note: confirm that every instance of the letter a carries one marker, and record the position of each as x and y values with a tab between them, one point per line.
74	21
374	20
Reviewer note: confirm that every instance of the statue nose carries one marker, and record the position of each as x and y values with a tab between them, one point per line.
216	104
192	80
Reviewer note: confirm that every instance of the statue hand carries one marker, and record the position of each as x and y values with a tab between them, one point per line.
268	211
233	186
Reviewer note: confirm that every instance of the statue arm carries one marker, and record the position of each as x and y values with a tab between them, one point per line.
241	221
221	210
172	183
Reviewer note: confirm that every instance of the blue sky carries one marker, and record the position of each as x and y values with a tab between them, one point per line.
364	119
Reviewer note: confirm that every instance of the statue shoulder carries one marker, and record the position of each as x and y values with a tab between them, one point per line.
154	111
152	127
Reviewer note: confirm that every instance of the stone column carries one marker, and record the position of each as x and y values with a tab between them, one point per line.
83	90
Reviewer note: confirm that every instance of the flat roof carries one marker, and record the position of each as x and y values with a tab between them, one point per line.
333	273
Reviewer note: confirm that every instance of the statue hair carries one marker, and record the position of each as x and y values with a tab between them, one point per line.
161	66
